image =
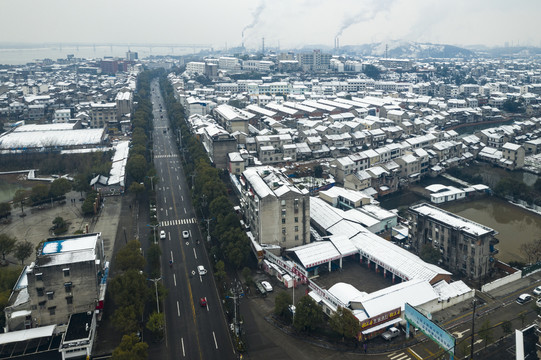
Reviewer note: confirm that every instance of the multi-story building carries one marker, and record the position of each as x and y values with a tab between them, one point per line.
466	247
228	63
232	119
62	116
194	67
277	211
102	114
512	156
65	279
124	103
314	61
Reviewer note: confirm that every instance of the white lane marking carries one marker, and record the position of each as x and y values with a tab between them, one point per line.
166	212
215	343
194	254
177	177
178	309
164	200
171	255
179	187
190	233
414	353
184	210
175	279
181	197
207	306
169	236
182	342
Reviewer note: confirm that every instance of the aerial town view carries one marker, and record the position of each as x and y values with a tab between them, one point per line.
298	180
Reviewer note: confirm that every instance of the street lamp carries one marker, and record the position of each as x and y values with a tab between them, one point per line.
151	182
155	281
153	230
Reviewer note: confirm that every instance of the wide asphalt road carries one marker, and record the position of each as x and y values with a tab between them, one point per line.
193	331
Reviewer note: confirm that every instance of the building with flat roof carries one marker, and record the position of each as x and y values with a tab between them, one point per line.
277	211
65	279
466	247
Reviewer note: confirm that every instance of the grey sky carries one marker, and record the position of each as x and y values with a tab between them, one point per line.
290	23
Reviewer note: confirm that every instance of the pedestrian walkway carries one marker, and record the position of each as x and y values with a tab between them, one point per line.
178	222
399	355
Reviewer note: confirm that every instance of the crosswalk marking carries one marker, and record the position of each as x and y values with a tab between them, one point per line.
163	156
398	356
178	222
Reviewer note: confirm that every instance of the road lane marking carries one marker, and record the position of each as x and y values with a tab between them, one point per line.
178	309
215	342
164	200
184	210
179	187
194	254
414	353
171	255
169	236
175	279
166	213
177	177
182	342
181	197
207	306
190	233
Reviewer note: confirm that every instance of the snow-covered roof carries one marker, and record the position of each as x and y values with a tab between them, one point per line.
48	139
346	293
68	250
28	334
454	289
453	220
415	292
316	253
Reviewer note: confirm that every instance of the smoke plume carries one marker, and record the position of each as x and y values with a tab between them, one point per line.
375	7
255	17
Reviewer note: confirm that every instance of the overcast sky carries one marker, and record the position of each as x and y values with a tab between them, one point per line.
288	23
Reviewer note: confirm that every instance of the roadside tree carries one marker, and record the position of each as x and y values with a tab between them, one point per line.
308	315
7	245
131	348
59	187
345	323
20	198
281	305
23	250
485	332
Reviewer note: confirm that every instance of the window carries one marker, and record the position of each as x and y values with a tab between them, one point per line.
283	230
39	277
42	304
283	203
50	295
52	310
296	219
67	286
283	220
66	272
296	228
296	237
69	300
40	291
283	212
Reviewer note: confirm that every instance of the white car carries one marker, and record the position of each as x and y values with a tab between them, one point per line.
201	270
537	290
162	234
185	234
267	286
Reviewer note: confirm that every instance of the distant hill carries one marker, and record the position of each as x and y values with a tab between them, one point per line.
411	50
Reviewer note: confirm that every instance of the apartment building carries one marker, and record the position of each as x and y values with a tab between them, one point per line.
314	61
466	247
277	211
512	156
102	114
65	279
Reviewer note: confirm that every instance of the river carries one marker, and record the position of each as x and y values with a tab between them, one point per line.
516	226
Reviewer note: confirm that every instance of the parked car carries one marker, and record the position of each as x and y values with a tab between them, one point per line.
201	270
185	234
538	302
537	291
391	333
162	235
523	298
267	286
261	289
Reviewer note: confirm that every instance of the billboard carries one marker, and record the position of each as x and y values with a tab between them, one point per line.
379	319
433	331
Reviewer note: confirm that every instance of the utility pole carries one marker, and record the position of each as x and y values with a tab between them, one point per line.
153	230
472	327
208	228
155	281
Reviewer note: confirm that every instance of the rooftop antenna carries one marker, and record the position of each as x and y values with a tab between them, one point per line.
263	46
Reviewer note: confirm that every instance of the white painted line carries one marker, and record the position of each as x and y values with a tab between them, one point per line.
178	309
215	343
395	356
175	279
414	353
179	187
164	200
181	197
403	357
182	342
166	212
184	210
177	177
171	254
190	233
169	236
207	306
194	254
